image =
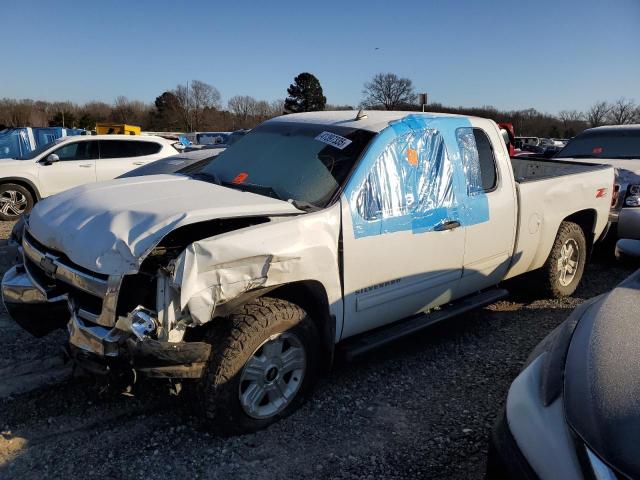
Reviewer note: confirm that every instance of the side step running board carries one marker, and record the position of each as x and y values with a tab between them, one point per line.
360	344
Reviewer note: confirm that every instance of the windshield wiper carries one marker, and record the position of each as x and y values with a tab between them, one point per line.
304	206
253	188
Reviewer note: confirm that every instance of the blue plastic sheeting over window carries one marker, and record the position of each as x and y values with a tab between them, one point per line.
46	135
419	172
14	143
470	160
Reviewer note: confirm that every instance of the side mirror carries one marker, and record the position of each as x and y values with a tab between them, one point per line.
628	251
51	158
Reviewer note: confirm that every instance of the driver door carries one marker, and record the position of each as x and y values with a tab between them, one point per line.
76	166
402	239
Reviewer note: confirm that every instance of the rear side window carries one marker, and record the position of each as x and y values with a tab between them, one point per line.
147	148
487	160
127	149
478	160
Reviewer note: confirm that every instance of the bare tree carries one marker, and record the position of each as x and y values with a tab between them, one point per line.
194	100
122	111
263	110
338	107
183	106
134	112
276	108
242	106
203	97
622	112
389	91
597	114
568	116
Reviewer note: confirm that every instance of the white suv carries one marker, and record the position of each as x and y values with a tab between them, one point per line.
72	161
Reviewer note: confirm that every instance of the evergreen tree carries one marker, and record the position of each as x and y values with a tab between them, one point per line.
305	95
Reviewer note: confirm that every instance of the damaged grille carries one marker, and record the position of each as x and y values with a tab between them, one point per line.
87	292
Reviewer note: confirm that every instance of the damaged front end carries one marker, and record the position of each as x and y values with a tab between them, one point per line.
148	320
114	322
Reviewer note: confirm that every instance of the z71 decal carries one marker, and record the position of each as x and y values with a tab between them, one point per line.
601	192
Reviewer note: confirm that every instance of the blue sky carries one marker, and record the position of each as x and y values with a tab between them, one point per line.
549	55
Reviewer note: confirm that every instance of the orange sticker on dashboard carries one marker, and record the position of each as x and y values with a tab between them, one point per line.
597	150
412	157
240	178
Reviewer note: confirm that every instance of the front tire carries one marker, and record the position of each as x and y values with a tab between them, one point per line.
15	200
564	268
264	362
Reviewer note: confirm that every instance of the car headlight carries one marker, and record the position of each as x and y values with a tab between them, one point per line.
601	470
633	196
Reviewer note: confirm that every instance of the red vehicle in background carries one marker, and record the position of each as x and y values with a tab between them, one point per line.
509	136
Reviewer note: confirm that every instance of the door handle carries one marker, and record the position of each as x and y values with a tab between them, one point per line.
447	225
138	163
86	165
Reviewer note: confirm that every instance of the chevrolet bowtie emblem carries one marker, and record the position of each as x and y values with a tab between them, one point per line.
49	266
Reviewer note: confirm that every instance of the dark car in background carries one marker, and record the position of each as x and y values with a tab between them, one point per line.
189	161
618	146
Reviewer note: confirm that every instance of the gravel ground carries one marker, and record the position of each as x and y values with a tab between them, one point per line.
421	408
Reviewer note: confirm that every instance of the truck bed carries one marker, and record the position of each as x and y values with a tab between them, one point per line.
550	191
533	169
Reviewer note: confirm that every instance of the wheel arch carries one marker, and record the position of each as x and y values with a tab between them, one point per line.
28	184
586	220
310	295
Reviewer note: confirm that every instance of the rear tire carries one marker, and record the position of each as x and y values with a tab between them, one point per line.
15	200
263	363
564	268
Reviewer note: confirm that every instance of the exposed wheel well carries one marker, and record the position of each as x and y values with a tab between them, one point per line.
586	220
312	297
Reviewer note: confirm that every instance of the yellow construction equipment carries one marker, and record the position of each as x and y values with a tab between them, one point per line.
121	128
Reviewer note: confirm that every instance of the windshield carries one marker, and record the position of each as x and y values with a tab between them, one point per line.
291	161
606	143
34	153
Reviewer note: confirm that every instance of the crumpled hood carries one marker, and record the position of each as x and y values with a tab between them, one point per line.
109	227
602	378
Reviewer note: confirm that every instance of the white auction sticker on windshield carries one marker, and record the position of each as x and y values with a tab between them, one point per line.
333	140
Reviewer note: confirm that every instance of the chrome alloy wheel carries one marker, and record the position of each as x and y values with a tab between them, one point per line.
12	203
568	262
272	376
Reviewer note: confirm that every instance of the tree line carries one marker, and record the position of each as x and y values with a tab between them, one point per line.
197	106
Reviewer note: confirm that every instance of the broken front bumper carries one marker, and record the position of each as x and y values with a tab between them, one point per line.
96	347
28	304
102	349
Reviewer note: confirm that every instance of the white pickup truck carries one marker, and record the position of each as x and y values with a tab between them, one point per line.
314	230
